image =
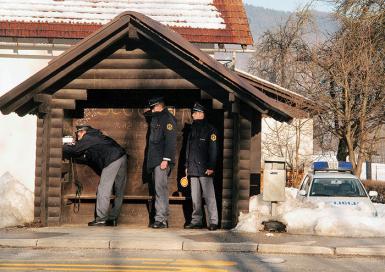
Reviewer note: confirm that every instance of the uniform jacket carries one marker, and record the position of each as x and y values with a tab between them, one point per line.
201	150
94	149
162	139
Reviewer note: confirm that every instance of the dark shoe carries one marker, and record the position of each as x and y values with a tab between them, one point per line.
213	227
193	226
111	222
97	223
159	225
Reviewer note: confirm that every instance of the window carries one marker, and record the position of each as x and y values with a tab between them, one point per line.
337	187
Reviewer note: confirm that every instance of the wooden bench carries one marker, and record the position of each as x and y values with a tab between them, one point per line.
70	198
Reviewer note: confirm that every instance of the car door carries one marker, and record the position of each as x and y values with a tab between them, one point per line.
305	186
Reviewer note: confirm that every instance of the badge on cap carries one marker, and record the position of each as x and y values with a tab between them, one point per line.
213	137
170	126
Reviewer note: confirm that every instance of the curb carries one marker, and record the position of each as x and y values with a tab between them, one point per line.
152	245
188	245
220	247
79	243
18	242
361	251
295	249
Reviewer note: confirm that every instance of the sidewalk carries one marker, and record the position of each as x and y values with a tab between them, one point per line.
138	238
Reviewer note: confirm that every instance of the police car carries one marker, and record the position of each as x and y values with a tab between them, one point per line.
337	187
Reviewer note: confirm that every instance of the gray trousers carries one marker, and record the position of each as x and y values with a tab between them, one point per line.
161	193
203	186
113	176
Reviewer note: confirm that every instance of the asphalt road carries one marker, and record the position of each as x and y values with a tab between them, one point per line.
18	259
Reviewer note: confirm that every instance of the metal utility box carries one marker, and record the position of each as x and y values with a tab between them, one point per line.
274	181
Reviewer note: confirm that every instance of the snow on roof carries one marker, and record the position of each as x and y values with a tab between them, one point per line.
206	21
179	13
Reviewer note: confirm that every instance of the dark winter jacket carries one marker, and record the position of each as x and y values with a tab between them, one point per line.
94	149
201	149
162	139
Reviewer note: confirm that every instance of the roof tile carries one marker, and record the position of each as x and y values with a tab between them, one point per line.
223	21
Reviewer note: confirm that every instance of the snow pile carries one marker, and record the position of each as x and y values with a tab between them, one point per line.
16	202
310	218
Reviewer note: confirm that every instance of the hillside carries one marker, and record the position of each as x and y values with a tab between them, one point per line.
261	19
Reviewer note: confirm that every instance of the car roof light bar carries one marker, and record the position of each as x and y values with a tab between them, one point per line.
320	165
345	166
324	166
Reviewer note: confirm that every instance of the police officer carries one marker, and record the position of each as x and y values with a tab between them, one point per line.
201	157
161	156
109	160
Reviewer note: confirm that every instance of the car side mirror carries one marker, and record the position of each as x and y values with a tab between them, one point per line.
303	192
373	194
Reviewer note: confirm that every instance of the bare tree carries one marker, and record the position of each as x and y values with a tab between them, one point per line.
281	53
351	69
289	141
281	57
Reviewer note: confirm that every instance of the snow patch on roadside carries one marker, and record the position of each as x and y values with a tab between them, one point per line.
316	219
16	202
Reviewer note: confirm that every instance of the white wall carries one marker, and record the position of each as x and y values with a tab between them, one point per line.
18	134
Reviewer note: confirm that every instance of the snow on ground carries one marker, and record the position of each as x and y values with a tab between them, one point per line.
317	219
16	202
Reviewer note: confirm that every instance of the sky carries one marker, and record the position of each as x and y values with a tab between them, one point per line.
287	5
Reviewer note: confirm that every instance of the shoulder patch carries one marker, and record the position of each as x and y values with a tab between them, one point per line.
213	137
169	126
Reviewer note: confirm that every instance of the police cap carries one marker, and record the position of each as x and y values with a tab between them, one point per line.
82	127
155	100
198	107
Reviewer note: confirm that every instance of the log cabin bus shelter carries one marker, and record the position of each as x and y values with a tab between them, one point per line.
105	81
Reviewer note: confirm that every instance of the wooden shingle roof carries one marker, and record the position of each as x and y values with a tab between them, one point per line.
206	21
66	67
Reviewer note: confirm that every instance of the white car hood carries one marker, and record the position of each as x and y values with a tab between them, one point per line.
362	204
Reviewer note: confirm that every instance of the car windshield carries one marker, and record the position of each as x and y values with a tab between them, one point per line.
337	187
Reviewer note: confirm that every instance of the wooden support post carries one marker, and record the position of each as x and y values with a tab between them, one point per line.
235	161
49	138
38	170
227	185
255	155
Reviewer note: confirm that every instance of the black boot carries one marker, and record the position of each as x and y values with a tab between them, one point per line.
193	226
213	227
97	223
159	225
112	222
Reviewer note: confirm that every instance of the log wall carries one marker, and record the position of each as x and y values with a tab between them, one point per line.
227	189
244	165
48	171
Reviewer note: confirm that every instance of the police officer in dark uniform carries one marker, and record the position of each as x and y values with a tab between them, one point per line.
161	156
201	158
109	160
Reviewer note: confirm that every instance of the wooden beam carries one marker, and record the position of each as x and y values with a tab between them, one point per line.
132	33
131	84
43	98
132	54
205	95
54	102
68	104
217	104
129	64
77	94
130	74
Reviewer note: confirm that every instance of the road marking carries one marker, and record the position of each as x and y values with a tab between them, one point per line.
133	265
